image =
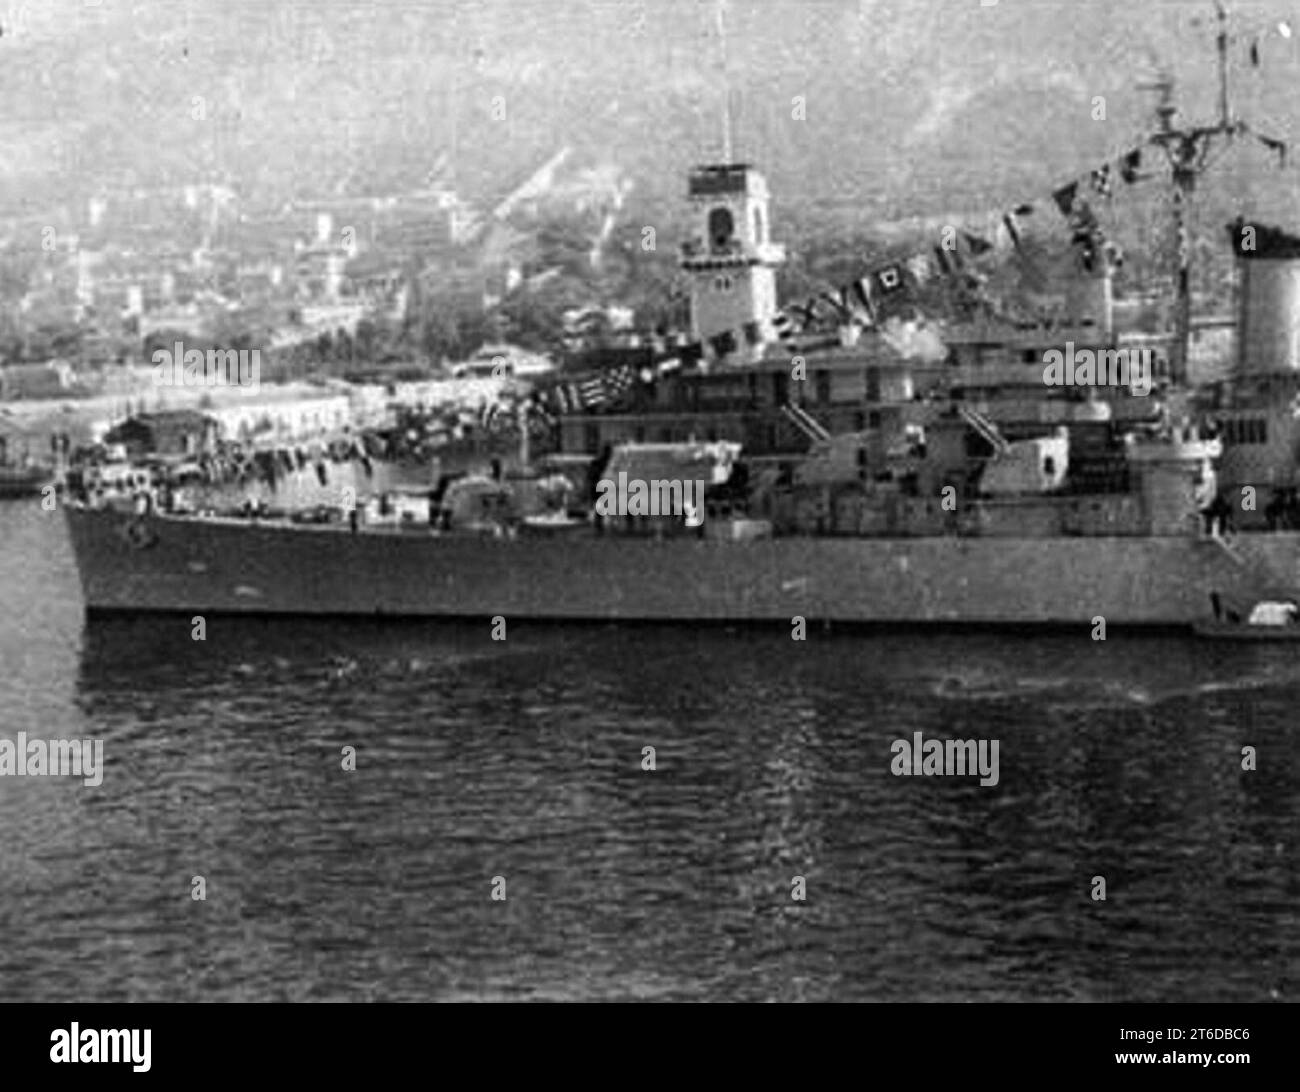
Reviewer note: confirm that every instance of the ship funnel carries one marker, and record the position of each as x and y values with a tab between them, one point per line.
1268	305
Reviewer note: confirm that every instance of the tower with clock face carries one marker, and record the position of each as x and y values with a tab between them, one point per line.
731	260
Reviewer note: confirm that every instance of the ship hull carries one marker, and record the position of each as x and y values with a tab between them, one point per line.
227	566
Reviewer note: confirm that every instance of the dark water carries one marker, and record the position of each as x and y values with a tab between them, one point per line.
522	760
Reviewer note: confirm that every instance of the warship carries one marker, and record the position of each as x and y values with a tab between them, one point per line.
22	477
849	483
24	481
973	494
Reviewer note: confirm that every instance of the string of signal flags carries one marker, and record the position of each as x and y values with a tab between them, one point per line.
956	259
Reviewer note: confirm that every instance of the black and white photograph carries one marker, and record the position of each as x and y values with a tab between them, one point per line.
690	501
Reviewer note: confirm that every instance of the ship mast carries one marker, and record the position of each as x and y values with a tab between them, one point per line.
1187	149
720	14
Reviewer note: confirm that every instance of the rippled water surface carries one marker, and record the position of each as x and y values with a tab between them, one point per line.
522	759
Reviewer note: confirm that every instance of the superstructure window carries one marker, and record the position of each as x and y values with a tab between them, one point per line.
1248	430
721	227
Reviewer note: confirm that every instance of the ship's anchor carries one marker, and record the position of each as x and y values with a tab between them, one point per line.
139	534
